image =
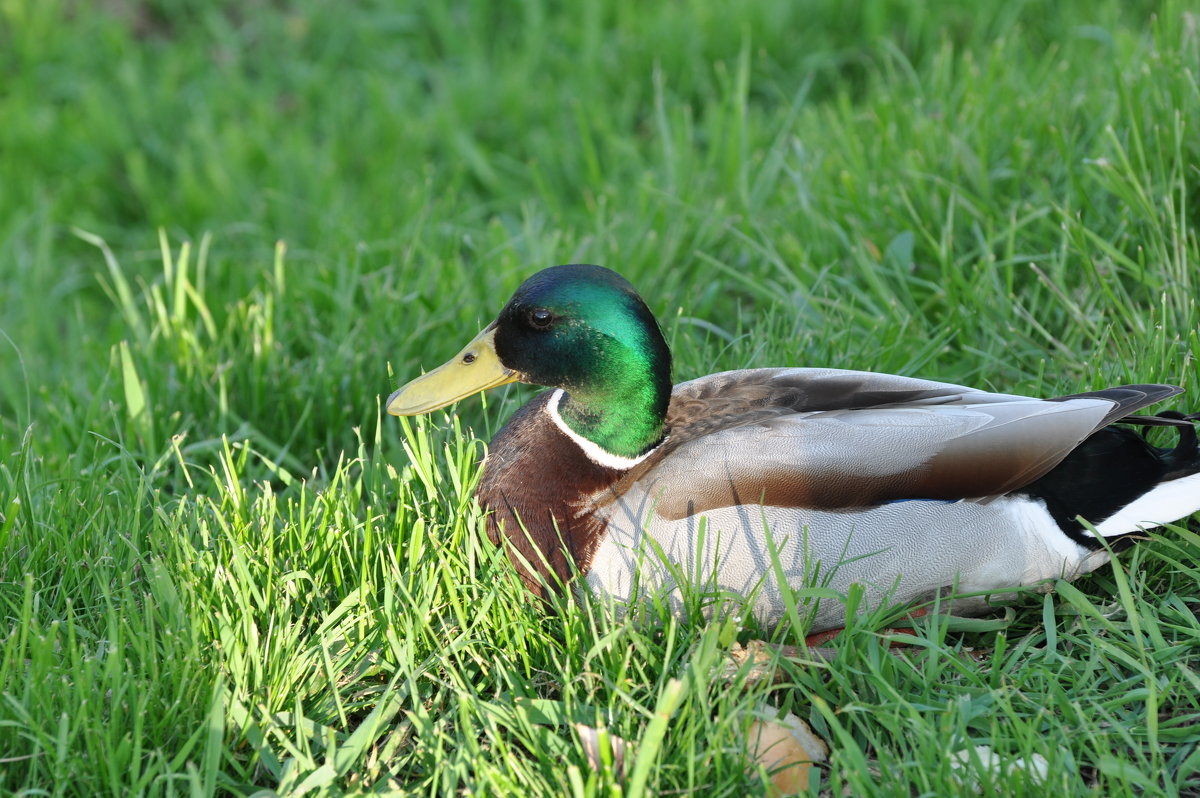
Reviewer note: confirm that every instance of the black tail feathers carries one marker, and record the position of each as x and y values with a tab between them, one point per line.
1114	467
1184	458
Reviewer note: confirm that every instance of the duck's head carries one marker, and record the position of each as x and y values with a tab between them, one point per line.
580	328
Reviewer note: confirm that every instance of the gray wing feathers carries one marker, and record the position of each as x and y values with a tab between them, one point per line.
830	439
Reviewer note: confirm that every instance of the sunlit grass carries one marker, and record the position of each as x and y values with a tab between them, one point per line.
226	233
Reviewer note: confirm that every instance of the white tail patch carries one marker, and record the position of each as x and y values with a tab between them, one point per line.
1167	502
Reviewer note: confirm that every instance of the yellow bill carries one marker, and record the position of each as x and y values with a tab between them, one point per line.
476	368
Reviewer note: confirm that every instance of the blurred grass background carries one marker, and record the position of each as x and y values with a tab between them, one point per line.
227	229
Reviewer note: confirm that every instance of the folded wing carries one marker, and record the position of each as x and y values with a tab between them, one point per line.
831	439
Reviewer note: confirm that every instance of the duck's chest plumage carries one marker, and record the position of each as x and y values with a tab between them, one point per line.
538	489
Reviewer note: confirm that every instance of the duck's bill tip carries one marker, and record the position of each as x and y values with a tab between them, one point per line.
476	368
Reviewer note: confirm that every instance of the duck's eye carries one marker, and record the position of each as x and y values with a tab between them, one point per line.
540	319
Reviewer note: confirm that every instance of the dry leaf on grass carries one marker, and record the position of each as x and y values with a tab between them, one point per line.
595	741
786	748
994	764
761	656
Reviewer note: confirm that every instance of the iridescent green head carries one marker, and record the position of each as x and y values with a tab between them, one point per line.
580	328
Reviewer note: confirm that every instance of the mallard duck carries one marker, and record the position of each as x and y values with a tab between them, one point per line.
758	481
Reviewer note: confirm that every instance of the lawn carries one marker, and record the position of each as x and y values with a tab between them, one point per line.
229	230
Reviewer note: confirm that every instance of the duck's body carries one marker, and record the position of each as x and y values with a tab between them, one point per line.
745	482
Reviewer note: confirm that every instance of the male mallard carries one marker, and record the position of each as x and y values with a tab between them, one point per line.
825	477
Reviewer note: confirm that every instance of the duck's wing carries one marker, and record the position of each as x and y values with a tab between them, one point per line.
832	439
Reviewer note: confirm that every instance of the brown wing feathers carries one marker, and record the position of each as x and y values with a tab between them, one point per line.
891	444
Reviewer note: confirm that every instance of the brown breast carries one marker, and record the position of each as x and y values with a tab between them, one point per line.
539	488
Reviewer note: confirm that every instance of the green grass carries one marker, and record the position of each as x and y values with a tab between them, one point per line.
222	571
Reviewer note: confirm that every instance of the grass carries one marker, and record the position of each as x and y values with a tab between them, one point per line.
227	230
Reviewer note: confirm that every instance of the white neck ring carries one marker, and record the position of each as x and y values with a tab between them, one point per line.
591	449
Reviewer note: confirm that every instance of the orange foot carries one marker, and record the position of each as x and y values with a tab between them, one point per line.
818	638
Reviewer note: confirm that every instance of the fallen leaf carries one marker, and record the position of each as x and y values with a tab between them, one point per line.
994	764
785	746
761	657
596	741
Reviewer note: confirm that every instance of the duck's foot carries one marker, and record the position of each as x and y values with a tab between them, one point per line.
819	638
